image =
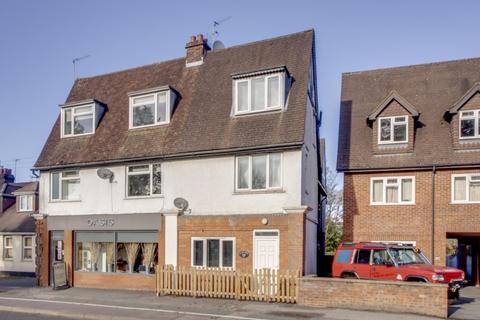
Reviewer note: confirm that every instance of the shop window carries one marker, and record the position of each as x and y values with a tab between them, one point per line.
213	252
116	251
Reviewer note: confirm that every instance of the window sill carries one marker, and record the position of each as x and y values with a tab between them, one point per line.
240	192
63	201
149	126
465	202
160	196
257	112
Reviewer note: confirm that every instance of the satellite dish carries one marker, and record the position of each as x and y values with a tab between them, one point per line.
181	204
104	173
218	45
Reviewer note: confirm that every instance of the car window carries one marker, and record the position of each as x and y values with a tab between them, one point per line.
343	256
362	256
381	257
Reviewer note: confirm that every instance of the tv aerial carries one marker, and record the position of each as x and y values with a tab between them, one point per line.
75	61
217	44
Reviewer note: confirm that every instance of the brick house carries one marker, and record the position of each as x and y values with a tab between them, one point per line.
208	160
409	148
18	202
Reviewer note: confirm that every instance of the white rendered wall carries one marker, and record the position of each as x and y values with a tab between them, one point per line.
207	183
171	239
17	264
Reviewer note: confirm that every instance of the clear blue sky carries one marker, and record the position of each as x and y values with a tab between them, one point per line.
39	39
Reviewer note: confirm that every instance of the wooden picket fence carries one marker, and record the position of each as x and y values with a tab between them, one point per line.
261	285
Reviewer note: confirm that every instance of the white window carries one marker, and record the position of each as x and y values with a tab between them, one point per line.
392	190
7	247
150	109
26	202
393	130
469	124
466	188
78	120
258	94
213	252
27	248
259	172
65	185
144	180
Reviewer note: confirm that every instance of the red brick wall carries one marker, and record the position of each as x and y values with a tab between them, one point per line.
390	296
42	253
241	227
364	222
121	281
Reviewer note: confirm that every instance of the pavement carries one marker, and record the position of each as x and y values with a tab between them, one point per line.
468	306
18	298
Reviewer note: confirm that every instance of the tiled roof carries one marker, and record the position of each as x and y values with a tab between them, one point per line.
202	120
29	187
432	89
13	221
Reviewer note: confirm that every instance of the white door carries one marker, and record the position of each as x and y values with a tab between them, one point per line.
266	249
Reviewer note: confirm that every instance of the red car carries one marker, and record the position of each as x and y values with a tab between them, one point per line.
387	261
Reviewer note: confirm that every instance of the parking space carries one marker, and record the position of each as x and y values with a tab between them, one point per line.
468	307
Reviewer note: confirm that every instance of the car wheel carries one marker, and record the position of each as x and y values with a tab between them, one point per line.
349	276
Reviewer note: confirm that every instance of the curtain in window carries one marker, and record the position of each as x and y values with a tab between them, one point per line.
258	93
243	172
460	185
274	171
475	191
378	191
392	195
407	191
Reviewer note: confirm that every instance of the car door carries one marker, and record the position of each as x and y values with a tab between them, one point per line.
383	267
361	263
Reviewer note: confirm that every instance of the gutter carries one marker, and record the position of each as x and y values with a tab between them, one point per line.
425	167
186	155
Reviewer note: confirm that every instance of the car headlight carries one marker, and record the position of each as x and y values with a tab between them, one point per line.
438	277
463	275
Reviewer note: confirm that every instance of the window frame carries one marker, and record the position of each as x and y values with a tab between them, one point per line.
27	247
220	260
392	127
266	108
150	169
30	200
5	247
250	172
476	118
73	114
384	188
467	177
60	191
155	96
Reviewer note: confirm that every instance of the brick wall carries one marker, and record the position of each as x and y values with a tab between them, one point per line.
122	281
364	222
391	296
42	253
241	227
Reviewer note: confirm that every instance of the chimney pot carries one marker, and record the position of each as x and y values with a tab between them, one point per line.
192	38
197	49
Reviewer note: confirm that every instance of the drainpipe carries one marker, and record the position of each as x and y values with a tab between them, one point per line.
433	213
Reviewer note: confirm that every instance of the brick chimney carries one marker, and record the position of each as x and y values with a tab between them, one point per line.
197	49
6	176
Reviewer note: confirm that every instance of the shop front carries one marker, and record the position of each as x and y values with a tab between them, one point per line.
107	251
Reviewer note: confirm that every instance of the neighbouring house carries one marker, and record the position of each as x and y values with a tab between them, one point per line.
18	202
409	148
210	160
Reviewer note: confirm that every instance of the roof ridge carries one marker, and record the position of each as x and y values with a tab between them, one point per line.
412	66
211	51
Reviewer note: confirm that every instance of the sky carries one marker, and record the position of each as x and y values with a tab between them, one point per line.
39	40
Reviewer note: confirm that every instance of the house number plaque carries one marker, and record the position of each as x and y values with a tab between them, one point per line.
243	254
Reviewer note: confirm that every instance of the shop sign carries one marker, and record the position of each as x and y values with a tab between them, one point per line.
59	275
102	222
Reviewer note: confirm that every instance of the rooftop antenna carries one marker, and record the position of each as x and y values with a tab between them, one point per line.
216	23
74	61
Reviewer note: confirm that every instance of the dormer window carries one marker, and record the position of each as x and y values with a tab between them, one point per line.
470	124
25	203
151	107
80	118
259	91
393	130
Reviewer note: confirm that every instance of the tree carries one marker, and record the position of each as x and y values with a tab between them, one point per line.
334	212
